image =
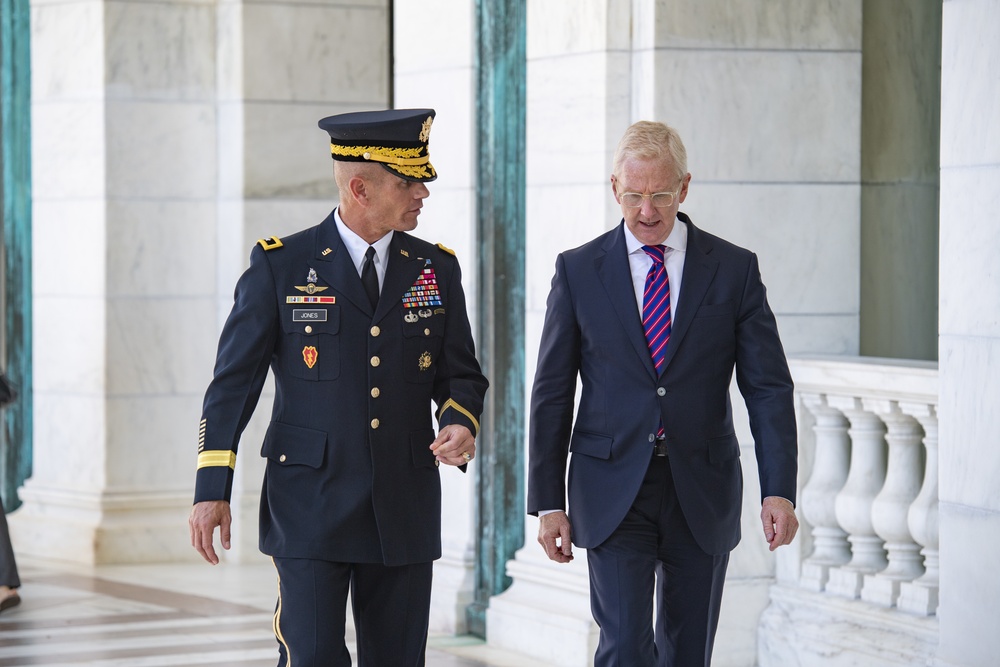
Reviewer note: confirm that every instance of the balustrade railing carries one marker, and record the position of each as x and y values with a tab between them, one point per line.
871	497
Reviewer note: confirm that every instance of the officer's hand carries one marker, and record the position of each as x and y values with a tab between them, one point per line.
205	517
780	524
455	445
554	536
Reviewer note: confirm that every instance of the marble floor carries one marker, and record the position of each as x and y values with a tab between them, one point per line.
190	615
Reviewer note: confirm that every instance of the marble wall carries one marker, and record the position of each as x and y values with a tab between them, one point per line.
970	332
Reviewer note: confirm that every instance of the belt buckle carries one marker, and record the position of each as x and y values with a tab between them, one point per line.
660	447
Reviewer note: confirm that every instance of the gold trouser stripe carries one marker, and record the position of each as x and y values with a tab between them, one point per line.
277	618
217	458
450	403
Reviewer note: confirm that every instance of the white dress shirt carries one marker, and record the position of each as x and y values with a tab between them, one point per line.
357	247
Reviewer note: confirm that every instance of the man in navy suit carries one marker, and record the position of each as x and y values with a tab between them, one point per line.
654	316
363	326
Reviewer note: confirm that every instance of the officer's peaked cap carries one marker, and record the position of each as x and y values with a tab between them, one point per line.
395	138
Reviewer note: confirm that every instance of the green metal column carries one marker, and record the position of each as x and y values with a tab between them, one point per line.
15	130
501	68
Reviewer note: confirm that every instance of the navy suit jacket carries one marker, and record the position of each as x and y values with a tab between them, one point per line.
593	331
350	476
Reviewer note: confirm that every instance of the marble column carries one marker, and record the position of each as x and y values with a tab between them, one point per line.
434	67
124	136
969	340
167	137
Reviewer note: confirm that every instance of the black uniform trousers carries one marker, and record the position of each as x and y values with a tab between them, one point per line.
8	566
654	539
391	613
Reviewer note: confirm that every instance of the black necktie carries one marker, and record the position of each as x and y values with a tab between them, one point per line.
369	278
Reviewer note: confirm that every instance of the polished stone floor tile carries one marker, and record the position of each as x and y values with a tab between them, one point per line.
167	616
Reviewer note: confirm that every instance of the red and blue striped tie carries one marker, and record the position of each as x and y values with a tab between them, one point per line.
656	307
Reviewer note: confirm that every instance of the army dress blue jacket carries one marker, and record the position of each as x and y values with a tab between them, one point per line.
349	476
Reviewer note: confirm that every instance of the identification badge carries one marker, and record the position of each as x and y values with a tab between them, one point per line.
306	315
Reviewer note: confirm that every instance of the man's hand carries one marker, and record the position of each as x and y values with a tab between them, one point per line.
780	525
205	517
455	445
554	536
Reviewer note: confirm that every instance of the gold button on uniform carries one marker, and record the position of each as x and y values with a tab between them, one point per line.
376	361
427	332
375	392
282	458
375	331
375	423
309	329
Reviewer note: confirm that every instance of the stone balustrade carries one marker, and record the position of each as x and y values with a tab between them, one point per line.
871	497
862	583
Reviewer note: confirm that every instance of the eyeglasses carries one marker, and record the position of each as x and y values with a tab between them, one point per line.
659	199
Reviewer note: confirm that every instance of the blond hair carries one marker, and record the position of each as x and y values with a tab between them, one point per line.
649	140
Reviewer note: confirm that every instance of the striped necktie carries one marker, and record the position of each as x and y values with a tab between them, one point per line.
656	306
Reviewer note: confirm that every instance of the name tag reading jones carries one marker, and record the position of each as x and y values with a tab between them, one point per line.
307	315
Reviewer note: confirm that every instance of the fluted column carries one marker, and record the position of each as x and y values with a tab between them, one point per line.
854	502
829	473
904	475
921	595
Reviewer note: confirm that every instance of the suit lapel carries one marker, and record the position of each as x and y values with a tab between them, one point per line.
699	271
402	270
613	270
336	266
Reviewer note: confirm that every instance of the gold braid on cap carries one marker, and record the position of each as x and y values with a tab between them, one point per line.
397	156
406	161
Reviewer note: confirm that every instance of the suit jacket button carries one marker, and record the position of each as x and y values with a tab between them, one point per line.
282	458
375	331
660	391
376	361
375	392
375	423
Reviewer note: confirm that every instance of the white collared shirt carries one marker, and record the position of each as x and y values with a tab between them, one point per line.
673	259
357	247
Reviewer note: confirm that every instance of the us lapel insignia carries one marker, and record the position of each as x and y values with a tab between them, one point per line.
403	253
310	355
425	361
311	288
